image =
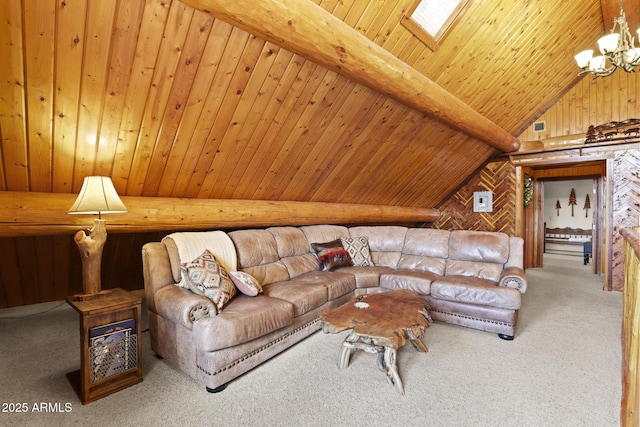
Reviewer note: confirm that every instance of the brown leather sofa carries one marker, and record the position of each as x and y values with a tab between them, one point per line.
467	278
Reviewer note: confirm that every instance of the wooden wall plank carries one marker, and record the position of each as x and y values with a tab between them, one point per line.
356	121
187	67
124	43
246	83
62	247
330	115
151	33
299	141
222	92
28	266
251	135
10	273
201	108
39	23
164	72
276	112
13	113
44	268
70	41
100	18
257	96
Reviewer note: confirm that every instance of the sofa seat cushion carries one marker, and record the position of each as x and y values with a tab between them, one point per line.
244	318
305	296
418	281
338	283
367	277
473	290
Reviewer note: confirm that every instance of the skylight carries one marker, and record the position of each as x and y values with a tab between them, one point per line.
432	15
429	20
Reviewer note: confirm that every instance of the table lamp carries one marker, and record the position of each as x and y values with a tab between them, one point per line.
97	196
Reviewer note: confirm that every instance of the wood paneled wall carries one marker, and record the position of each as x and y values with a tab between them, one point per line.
589	102
48	268
457	212
625	208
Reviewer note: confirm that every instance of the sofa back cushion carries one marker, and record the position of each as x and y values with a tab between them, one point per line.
481	270
479	254
385	242
480	246
258	255
293	250
425	249
323	233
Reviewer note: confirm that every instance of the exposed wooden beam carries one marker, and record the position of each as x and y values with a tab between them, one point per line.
305	28
25	213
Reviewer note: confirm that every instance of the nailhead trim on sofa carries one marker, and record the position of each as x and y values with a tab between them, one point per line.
464	316
198	312
258	350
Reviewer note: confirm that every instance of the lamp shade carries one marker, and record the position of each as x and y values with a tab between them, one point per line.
97	196
597	63
583	58
608	43
633	56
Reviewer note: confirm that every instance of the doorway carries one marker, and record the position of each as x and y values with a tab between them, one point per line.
591	177
569	217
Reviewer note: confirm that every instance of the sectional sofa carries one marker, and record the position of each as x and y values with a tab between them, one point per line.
467	278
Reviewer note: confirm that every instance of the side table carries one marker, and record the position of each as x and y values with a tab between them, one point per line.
110	345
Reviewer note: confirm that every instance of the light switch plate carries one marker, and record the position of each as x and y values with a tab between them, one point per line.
483	201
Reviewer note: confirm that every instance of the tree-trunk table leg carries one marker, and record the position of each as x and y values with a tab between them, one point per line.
419	345
380	362
392	369
347	347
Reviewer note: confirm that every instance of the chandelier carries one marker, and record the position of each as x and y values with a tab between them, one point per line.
617	48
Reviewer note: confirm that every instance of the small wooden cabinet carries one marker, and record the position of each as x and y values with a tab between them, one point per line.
110	345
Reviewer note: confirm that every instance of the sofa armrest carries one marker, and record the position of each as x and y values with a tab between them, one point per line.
182	306
513	277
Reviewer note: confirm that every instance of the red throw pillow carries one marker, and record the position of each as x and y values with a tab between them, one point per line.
331	255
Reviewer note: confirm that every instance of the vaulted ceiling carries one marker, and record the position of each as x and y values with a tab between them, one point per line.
171	101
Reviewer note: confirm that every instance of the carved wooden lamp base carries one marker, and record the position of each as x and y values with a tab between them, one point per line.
90	246
97	196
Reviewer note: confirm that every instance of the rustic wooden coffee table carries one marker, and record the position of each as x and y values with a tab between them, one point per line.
380	323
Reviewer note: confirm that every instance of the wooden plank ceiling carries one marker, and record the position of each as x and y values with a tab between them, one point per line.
172	102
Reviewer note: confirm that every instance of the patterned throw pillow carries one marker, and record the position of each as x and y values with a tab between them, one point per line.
358	248
246	283
206	276
331	255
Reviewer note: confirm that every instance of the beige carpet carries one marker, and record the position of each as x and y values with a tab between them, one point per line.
562	369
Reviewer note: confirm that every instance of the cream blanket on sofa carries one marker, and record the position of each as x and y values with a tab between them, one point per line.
191	244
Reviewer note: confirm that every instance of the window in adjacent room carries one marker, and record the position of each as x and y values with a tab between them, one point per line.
430	20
